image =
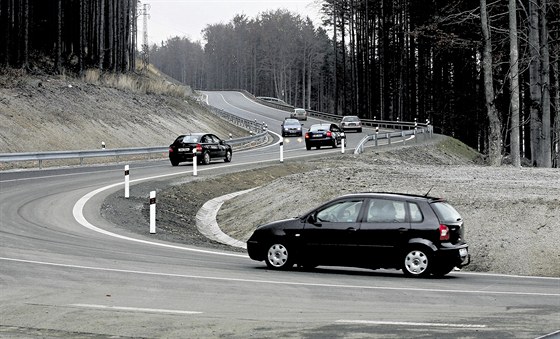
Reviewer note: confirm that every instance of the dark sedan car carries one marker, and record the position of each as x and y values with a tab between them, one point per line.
420	235
291	126
323	135
206	146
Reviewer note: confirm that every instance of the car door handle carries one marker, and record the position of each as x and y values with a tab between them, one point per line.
402	229
352	229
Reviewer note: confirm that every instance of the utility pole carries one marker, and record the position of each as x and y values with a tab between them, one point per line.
145	47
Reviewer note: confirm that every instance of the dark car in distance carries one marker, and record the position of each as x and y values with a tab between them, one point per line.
291	126
420	235
206	146
325	134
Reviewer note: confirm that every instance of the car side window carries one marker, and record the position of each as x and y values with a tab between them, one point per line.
415	212
215	139
344	211
388	211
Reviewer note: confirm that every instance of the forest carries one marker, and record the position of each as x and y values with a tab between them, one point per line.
485	73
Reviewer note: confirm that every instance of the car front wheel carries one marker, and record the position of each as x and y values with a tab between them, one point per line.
278	257
417	262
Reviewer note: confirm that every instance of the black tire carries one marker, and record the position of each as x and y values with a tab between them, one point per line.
278	257
442	270
359	130
308	147
206	158
227	158
417	262
174	162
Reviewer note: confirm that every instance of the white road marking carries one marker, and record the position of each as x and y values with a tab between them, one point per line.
134	309
289	283
404	323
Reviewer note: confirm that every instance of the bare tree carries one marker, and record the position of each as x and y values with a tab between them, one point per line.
495	137
515	149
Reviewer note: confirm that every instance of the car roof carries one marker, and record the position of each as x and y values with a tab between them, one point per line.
390	195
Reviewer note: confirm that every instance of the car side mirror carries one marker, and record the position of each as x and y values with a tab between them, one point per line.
312	219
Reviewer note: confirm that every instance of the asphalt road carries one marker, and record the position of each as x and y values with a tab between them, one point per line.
67	272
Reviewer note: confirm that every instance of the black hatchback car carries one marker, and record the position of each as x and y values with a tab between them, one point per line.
324	134
421	235
206	146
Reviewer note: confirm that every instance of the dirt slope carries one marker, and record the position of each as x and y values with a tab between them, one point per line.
51	113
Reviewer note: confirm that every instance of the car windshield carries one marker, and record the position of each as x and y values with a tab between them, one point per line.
301	111
351	119
291	122
315	128
446	212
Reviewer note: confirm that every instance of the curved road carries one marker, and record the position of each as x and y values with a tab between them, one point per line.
67	272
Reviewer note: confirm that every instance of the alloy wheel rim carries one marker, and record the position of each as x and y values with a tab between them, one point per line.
277	255
416	262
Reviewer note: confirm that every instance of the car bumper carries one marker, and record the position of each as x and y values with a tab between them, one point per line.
295	133
456	255
184	156
319	142
255	250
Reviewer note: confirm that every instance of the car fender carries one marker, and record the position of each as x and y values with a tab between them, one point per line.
425	242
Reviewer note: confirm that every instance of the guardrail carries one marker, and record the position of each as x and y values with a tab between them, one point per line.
259	133
426	131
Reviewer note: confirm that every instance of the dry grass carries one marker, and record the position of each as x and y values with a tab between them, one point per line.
151	83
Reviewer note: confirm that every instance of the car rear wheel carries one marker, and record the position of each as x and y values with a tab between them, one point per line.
442	270
278	257
417	262
174	163
206	158
308	147
228	156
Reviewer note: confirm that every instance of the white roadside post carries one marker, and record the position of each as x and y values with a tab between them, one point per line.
194	163
152	212
282	150
376	136
343	139
103	145
126	182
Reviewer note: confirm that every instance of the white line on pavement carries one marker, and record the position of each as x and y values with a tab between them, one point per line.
134	309
404	323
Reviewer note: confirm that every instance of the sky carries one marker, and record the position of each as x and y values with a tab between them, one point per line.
187	18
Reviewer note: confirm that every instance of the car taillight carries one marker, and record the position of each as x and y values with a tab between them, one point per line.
329	134
198	147
170	150
443	232
306	135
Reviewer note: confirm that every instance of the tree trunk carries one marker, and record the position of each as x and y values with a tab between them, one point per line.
515	150
534	86
495	137
546	144
58	50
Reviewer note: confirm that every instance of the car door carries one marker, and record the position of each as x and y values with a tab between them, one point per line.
335	132
329	236
219	148
383	231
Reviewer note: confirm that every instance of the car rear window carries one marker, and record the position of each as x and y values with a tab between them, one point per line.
314	128
445	212
190	138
